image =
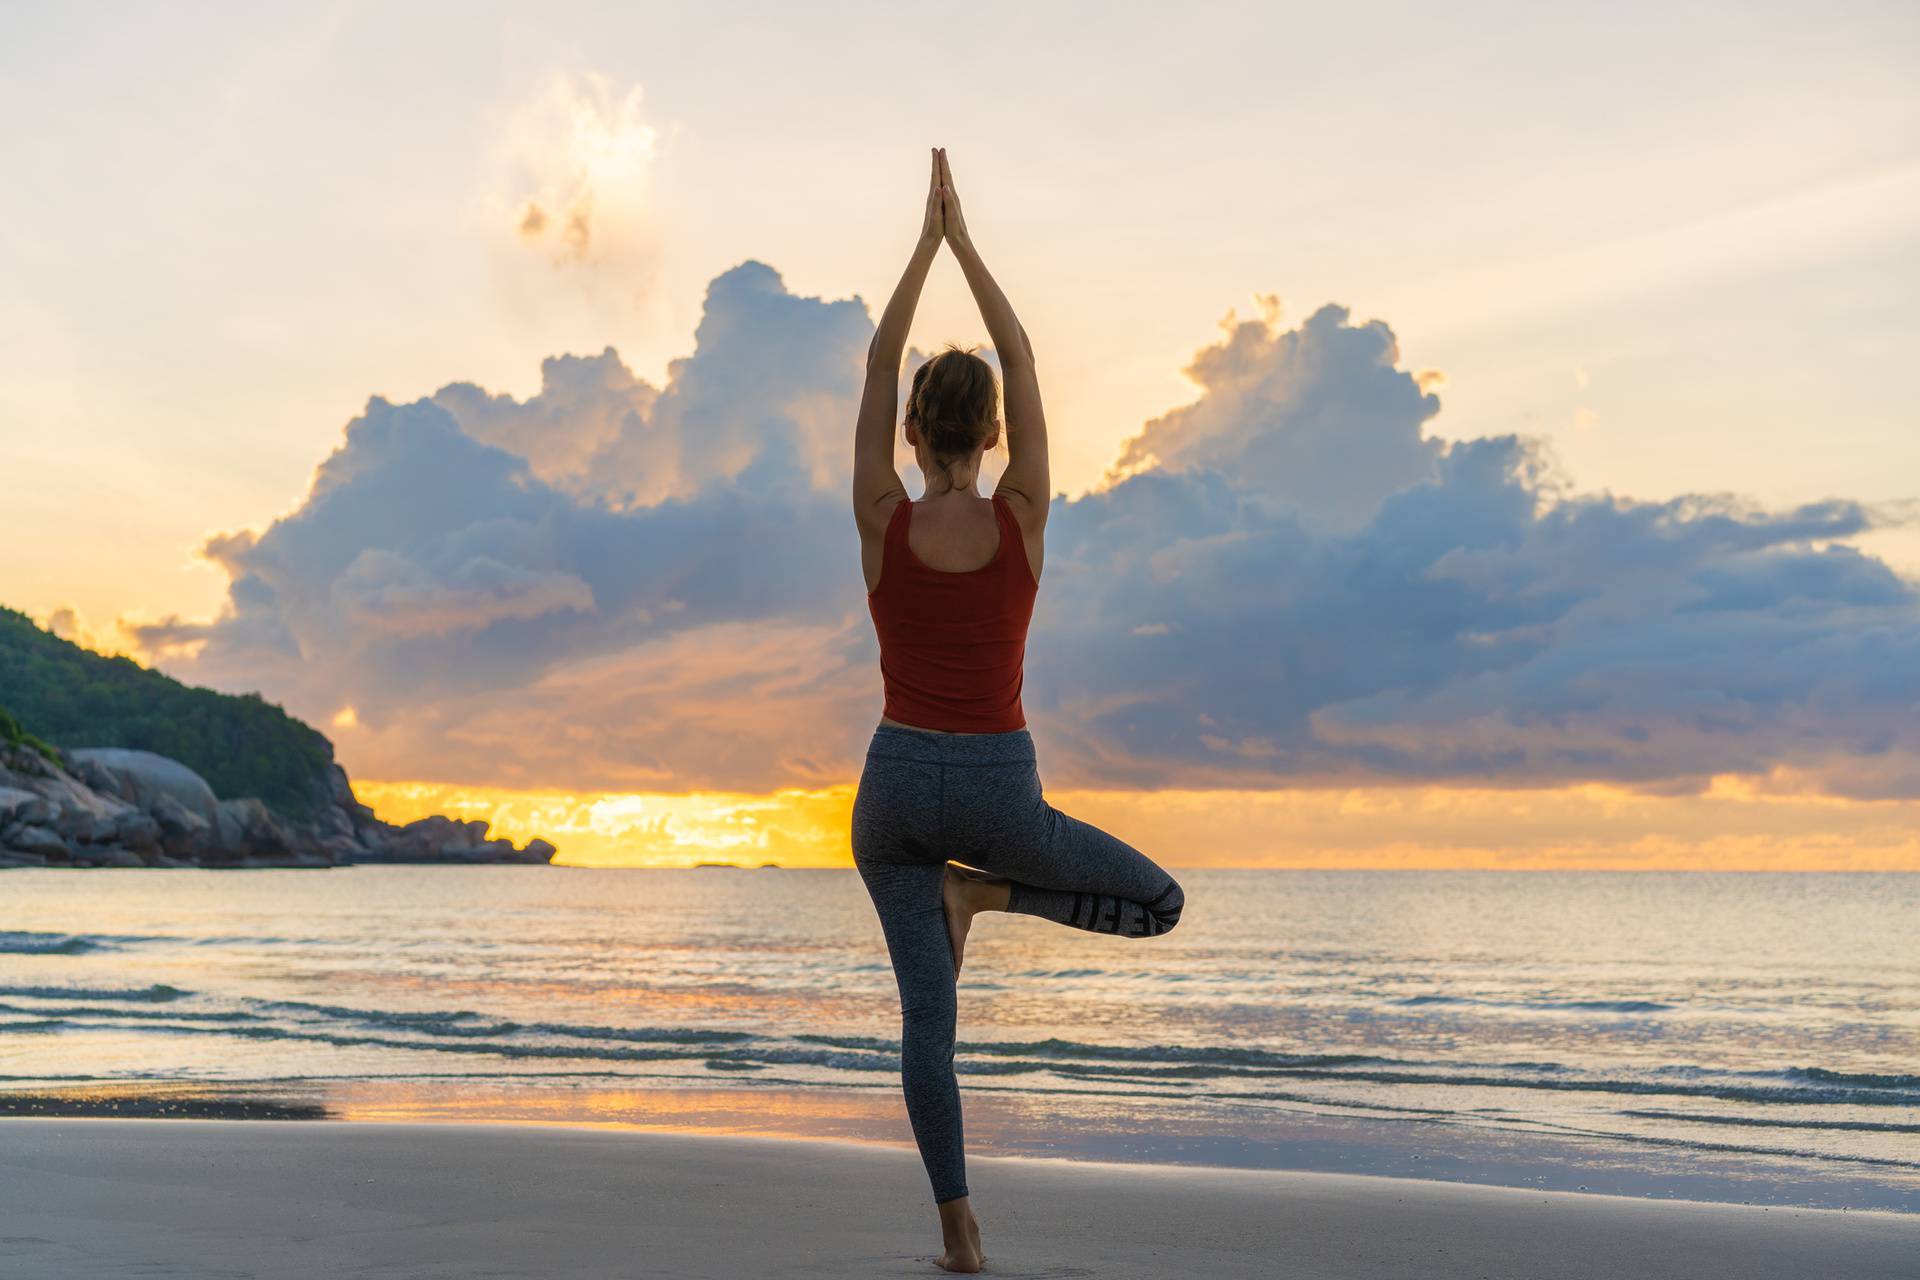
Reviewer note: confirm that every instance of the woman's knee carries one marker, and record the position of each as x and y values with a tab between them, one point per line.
1163	913
929	1022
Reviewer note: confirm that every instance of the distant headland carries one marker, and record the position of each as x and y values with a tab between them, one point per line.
106	763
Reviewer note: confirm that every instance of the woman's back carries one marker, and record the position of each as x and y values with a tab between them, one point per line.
951	617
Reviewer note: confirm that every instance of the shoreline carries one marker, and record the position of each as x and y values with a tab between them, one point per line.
288	1198
1000	1127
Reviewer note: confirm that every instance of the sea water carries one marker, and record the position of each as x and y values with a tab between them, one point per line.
1748	1036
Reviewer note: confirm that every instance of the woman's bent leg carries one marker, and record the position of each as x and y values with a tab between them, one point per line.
1063	869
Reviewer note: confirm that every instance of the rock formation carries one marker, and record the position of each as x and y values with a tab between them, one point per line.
112	807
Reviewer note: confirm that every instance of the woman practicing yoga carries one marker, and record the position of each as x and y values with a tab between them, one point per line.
950	772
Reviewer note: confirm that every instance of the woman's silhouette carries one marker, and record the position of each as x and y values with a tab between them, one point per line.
950	772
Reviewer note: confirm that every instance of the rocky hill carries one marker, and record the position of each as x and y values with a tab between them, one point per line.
88	786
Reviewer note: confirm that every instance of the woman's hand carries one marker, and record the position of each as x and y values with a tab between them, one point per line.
954	223
933	225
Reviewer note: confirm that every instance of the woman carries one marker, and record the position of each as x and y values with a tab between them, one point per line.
950	772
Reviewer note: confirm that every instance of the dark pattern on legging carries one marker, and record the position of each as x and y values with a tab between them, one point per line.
925	798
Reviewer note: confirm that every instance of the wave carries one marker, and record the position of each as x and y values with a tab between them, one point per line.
158	993
19	942
1563	1006
1218	1071
456	1022
79	1011
1774	1122
466	1023
1221	1072
1214	1055
33	942
1858	1080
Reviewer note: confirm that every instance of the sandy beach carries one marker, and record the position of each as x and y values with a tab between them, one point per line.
291	1199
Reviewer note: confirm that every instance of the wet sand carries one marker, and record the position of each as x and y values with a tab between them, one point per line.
214	1198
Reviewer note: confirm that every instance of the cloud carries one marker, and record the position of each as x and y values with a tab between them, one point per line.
1287	584
578	155
385	591
1318	417
761	402
1470	632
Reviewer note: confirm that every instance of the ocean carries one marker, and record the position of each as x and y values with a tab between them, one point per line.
1722	1036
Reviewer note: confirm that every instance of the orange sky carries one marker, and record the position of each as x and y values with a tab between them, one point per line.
1730	829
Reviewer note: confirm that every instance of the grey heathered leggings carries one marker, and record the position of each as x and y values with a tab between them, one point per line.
925	798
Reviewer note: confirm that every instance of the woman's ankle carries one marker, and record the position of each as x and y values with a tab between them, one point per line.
998	894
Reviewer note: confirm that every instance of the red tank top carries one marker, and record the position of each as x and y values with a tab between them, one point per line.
951	644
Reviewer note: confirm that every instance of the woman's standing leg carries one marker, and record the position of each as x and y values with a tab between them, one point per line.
907	897
895	828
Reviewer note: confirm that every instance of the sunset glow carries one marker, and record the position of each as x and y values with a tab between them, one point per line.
1731	828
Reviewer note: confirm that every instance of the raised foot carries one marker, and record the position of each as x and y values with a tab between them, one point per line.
964	895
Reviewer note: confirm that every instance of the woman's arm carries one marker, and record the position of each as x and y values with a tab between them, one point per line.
876	484
1026	480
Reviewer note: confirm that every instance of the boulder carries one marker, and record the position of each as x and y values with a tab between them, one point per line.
101	779
138	832
25	761
540	850
13	801
76	807
140	778
181	833
334	823
43	841
85	827
246	828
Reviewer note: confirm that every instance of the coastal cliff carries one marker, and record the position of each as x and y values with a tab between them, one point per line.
112	764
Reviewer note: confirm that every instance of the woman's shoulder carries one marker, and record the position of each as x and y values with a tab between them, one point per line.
875	516
1031	515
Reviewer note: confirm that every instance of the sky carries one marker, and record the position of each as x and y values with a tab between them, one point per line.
1483	436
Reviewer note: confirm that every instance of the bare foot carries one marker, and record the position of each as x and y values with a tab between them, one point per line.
965	894
962	1232
966	1260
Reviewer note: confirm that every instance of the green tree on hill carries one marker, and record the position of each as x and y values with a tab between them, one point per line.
14	736
242	744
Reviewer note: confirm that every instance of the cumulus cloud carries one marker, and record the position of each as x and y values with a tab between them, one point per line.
1320	417
1471	632
1287	583
585	403
761	402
